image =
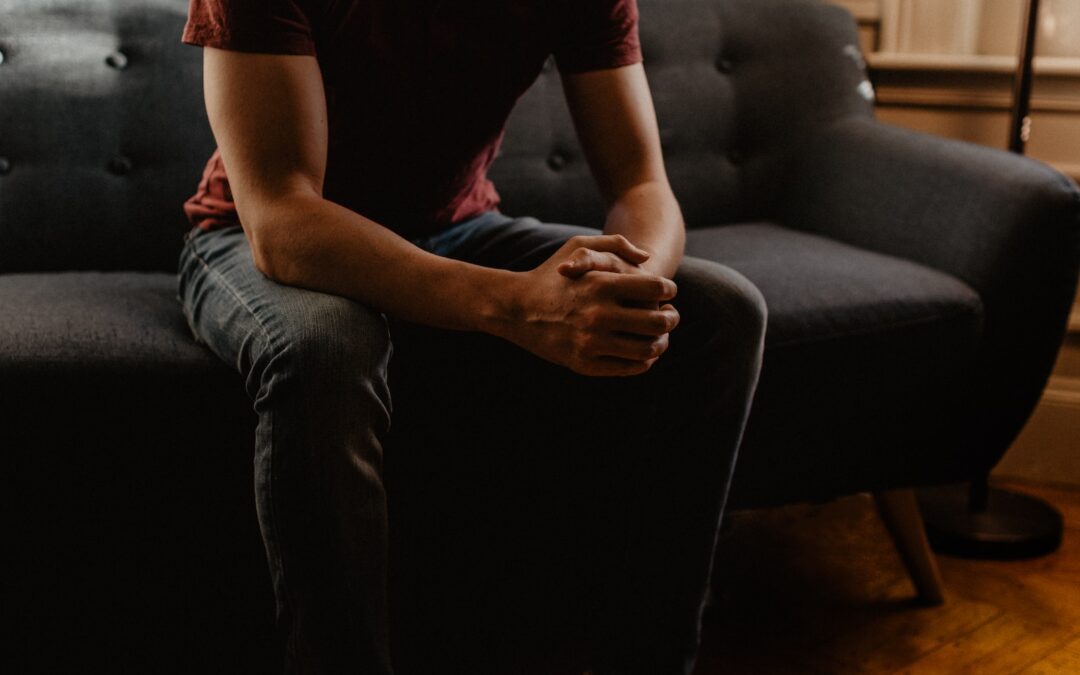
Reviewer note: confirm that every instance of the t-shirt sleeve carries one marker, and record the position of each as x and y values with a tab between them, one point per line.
260	26
598	34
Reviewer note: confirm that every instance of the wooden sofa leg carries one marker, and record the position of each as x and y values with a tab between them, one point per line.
900	513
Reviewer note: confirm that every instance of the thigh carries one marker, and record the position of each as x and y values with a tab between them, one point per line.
501	241
247	319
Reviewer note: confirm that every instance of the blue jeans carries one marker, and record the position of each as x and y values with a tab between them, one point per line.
315	368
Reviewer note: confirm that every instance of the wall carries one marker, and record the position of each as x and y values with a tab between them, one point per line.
967	94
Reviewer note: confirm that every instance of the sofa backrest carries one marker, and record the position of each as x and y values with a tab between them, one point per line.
737	85
103	133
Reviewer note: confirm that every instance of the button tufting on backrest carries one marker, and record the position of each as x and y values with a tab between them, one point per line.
119	166
5	166
725	65
101	113
557	161
117	60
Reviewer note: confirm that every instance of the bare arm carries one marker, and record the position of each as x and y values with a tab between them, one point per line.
615	120
268	115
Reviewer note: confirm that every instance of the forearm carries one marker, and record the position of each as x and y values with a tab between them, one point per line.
313	243
649	216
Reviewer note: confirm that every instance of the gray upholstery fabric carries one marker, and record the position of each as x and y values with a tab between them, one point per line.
818	289
859	345
90	321
737	84
1007	226
99	156
127	504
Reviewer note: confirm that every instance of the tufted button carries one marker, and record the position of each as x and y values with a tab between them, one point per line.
117	60
119	166
736	156
725	65
5	166
556	161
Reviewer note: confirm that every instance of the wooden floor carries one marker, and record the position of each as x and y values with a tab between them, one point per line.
819	589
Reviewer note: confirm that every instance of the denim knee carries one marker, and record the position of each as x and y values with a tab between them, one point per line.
326	350
731	306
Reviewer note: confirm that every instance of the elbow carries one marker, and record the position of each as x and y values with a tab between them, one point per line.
269	252
278	232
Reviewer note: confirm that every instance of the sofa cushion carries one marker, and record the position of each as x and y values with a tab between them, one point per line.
820	289
126	482
81	321
858	344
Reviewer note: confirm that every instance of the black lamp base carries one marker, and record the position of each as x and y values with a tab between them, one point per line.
1009	526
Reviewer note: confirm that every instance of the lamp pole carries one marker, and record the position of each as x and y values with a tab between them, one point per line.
1020	126
978	521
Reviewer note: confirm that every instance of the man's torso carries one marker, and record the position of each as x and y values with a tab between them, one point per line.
418	92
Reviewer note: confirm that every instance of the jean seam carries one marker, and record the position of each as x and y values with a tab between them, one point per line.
275	532
236	296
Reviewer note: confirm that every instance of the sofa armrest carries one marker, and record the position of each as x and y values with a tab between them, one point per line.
1008	226
990	218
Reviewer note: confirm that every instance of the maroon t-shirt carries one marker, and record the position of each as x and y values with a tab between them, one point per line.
418	91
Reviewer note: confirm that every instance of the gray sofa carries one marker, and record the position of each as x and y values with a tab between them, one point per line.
917	290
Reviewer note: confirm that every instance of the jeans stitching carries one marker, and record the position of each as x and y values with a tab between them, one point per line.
236	296
274	520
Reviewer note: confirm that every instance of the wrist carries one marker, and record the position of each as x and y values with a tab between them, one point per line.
498	302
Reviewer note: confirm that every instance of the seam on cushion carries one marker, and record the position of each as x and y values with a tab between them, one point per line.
876	330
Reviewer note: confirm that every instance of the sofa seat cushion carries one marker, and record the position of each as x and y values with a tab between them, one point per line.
79	321
818	289
858	343
126	449
103	366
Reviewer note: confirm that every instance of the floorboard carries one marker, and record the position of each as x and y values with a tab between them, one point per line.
820	589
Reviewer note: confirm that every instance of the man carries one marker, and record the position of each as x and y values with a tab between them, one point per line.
356	136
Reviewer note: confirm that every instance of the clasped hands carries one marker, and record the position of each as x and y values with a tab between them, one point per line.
593	308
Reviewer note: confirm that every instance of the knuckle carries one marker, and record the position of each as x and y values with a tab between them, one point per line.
590	317
583	344
657	348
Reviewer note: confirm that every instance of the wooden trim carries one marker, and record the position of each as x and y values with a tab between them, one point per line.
1063	390
925	97
971	63
1072	170
864	11
1047	447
